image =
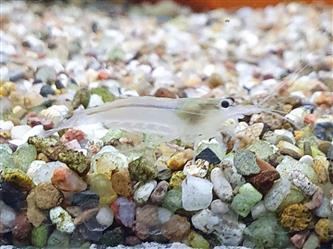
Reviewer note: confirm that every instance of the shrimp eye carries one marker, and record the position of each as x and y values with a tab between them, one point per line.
225	103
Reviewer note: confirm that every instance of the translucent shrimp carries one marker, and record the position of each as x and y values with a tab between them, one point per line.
185	118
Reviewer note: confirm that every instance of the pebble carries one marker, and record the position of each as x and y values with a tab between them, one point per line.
219	207
58	239
7	217
211	151
159	192
126	211
221	186
39	236
302	182
247	197
41	172
22	227
199	168
47	196
296	217
287	148
105	216
245	162
195	240
176	228
61	218
205	221
230	231
178	160
142	194
196	193
67	180
312	242
24	155
173	199
121	183
102	186
274	198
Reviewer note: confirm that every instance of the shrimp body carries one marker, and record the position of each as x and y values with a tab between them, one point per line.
173	118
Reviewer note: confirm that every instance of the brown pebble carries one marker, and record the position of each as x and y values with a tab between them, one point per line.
176	228
22	227
264	180
165	93
47	196
159	192
299	239
215	80
121	183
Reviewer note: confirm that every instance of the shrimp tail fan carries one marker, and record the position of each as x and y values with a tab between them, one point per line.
78	115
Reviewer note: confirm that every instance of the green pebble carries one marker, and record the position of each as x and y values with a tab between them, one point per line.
265	232
39	236
6	158
58	240
142	169
81	97
75	160
195	240
103	93
245	162
24	155
113	237
247	197
262	149
173	199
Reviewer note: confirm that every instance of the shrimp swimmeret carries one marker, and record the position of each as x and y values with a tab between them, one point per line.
174	118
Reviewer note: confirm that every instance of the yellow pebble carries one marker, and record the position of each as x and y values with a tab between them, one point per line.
298	134
296	217
324	228
177	179
178	160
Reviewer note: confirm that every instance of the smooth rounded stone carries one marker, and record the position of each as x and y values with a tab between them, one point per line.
211	151
126	211
297	116
277	194
312	242
245	162
196	193
58	239
219	207
22	227
199	168
173	199
289	149
159	192
61	218
108	160
221	186
262	149
324	210
19	131
105	216
7	217
55	113
39	236
46	90
67	180
47	196
306	159
289	164
142	194
258	210
41	172
102	186
176	228
246	198
205	221
6	125
284	135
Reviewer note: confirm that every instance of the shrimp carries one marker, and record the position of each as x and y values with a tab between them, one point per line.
184	118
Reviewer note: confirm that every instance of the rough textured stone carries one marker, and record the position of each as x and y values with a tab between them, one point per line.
176	228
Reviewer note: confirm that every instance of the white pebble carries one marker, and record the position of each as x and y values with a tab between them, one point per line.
221	186
141	195
219	207
61	218
105	216
205	221
196	193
